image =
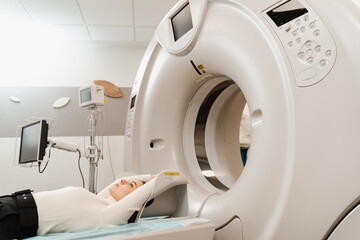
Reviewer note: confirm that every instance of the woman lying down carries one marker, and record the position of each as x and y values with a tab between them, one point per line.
71	209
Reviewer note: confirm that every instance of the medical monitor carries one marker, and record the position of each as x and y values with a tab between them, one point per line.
91	95
33	142
182	22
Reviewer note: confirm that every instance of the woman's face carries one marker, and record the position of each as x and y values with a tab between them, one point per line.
119	190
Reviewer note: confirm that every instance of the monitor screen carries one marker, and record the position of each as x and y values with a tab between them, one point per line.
133	100
85	95
33	142
287	12
182	22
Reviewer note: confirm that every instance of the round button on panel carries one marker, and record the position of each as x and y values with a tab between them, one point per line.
310	60
302	29
298	40
323	63
312	25
306	18
291	43
294	33
301	55
287	27
328	53
309	52
317	49
297	22
308	44
316	33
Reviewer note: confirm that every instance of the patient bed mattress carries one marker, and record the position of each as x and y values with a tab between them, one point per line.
142	230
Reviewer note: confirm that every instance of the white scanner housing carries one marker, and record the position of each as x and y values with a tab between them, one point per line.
296	65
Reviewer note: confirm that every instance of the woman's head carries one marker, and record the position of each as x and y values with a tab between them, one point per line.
120	190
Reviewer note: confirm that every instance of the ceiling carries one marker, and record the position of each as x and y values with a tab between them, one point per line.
128	21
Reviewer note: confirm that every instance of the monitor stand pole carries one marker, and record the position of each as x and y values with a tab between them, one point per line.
93	150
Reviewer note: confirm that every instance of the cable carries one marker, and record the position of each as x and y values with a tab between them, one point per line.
81	174
99	135
100	144
102	133
96	172
96	177
111	164
47	162
41	171
97	153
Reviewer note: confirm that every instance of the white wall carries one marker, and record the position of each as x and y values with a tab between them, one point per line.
42	64
65	64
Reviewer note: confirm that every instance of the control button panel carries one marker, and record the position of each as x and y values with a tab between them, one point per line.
308	44
129	124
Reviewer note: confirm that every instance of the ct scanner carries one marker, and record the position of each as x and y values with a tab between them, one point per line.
296	64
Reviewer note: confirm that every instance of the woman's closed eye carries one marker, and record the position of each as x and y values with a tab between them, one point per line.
133	184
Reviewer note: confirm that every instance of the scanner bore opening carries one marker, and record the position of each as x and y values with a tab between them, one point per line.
222	135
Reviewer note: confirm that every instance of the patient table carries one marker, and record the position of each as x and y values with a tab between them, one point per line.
166	218
174	229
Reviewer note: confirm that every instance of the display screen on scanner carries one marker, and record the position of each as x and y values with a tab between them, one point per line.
287	12
182	22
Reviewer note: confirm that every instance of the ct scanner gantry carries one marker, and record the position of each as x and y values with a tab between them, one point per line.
296	64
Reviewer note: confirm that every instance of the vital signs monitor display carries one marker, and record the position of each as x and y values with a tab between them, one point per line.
91	95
